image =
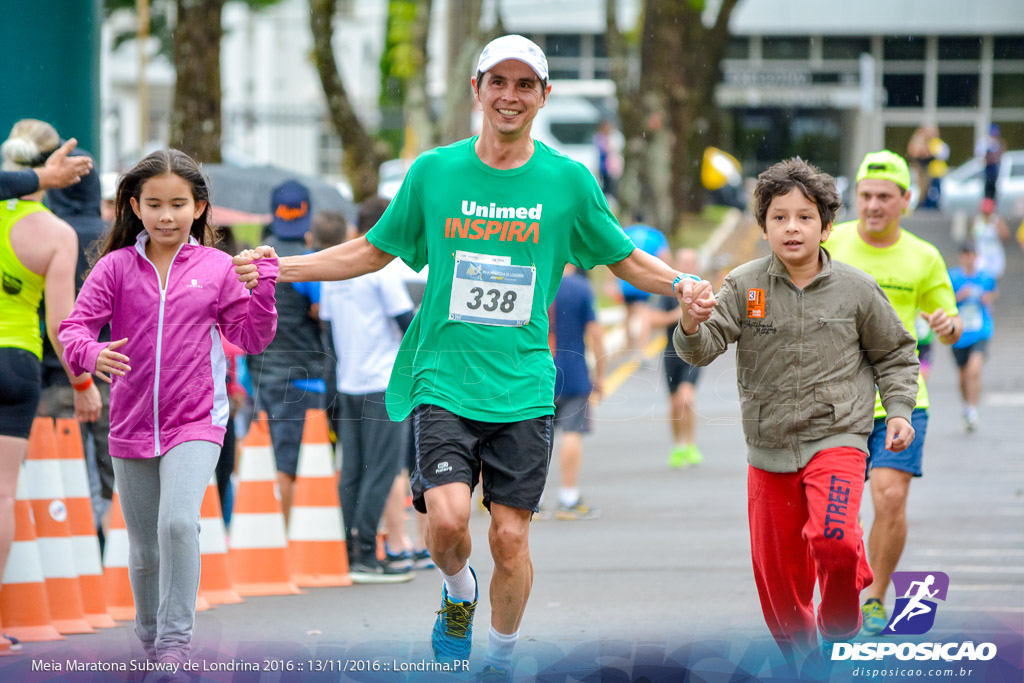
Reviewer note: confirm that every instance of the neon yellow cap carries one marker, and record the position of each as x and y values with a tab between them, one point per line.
885	165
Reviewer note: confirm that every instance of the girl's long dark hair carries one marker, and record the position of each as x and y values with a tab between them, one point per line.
127	225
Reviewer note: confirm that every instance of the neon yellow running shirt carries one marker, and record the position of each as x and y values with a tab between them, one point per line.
22	289
911	273
496	242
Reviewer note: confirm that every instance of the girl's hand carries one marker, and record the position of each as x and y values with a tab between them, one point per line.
88	404
110	363
246	269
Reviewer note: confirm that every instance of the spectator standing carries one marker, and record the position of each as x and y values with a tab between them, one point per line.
608	141
990	150
288	376
368	316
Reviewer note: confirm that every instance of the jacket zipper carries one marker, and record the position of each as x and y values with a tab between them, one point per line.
159	347
824	321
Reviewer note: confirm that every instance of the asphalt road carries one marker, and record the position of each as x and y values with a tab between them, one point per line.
660	587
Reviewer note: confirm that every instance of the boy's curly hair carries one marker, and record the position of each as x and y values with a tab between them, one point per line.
818	186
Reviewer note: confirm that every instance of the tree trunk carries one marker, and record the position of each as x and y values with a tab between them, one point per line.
667	111
362	154
196	113
419	119
464	44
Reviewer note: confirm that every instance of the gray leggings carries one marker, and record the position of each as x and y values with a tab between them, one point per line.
160	499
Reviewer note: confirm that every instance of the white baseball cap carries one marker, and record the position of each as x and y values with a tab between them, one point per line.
514	47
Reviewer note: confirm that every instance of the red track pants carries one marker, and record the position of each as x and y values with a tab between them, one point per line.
803	525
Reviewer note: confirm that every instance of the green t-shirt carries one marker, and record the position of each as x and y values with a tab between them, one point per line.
496	242
911	273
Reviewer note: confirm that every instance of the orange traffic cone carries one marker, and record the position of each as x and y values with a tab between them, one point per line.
316	542
50	512
117	586
85	544
215	583
258	557
23	599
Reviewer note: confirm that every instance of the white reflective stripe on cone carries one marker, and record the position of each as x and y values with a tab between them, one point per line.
314	524
257	464
23	564
257	530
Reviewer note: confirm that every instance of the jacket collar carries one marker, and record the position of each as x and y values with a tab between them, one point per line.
143	237
778	269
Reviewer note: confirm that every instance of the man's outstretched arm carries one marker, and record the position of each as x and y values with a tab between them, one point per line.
342	262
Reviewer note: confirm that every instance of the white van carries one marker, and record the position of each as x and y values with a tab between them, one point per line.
568	124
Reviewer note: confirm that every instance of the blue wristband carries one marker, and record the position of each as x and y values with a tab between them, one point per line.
682	276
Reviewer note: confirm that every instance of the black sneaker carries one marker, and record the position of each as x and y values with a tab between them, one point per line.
399	561
421	559
374	571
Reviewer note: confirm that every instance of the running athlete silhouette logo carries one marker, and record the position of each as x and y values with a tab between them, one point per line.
915	610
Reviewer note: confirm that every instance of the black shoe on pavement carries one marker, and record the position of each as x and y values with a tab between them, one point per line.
373	571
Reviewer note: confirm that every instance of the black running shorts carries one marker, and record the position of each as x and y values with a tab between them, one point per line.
20	387
512	457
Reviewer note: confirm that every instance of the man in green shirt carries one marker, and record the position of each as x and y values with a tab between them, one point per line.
913	276
496	217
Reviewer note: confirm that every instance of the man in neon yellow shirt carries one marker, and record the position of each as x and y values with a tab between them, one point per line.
913	275
496	218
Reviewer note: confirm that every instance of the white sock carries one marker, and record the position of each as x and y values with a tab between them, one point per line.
569	496
461	586
499	648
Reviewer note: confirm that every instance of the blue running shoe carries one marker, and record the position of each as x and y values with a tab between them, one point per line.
452	637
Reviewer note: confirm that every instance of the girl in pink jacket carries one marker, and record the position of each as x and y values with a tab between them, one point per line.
165	291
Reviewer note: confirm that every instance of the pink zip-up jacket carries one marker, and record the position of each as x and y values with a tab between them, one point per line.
175	390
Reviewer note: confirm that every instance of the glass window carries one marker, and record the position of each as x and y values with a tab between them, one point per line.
738	48
562	73
1008	47
600	45
845	48
903	48
904	90
777	47
958	90
960	48
1008	90
563	45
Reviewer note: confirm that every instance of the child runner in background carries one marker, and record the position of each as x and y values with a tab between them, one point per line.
813	336
165	291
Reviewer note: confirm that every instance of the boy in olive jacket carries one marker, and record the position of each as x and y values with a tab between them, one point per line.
813	338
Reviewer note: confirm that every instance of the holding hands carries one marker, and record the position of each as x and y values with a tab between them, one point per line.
697	299
245	266
110	362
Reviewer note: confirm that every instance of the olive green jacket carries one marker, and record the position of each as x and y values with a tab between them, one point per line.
807	361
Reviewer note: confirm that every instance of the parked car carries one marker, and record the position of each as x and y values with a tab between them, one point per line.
568	125
963	187
390	177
